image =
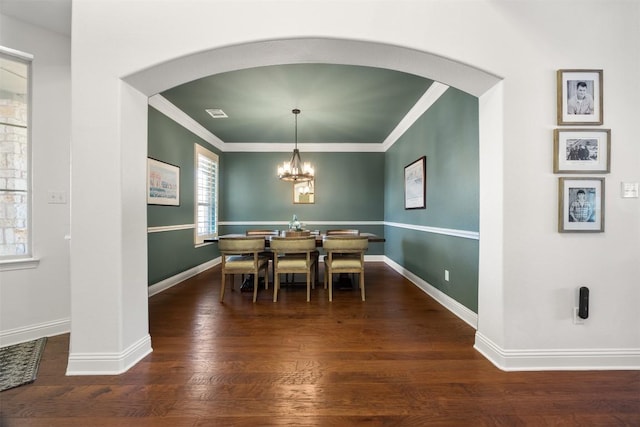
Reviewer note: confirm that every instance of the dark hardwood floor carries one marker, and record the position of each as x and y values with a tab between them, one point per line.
398	359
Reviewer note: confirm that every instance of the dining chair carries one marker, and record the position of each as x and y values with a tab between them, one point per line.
344	254
241	255
315	254
294	255
265	234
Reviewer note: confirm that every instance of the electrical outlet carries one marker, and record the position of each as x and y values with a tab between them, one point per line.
446	275
56	197
577	320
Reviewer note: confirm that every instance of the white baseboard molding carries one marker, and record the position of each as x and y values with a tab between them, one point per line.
109	363
178	278
558	359
447	302
33	332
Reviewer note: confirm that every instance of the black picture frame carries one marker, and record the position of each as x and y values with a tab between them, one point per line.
415	184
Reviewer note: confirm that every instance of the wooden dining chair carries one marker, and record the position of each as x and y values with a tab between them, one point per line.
241	255
294	255
344	254
265	234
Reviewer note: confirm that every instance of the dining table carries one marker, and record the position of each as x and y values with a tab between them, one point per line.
344	282
373	238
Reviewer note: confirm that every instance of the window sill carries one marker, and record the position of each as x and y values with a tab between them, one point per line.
19	264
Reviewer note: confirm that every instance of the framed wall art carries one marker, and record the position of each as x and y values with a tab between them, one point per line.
415	184
581	150
580	97
304	192
581	205
163	183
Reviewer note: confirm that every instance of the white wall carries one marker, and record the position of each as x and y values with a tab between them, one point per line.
35	302
529	272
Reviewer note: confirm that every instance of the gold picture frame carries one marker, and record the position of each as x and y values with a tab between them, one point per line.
304	192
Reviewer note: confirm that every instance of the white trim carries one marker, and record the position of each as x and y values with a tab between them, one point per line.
16	53
32	332
445	300
431	95
19	264
557	359
109	363
181	277
161	104
163	228
253	223
474	235
314	147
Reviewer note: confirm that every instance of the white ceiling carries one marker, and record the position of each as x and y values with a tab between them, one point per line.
54	15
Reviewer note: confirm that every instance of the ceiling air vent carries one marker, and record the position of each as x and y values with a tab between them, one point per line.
217	113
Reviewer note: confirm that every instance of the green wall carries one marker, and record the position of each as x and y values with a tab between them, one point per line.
347	189
350	188
172	252
447	134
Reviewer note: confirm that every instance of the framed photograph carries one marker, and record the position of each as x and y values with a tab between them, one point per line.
304	192
415	184
163	183
581	150
581	205
579	97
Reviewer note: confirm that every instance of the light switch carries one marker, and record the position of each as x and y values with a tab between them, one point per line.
629	190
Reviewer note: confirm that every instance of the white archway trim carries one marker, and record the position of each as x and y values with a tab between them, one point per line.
486	86
174	72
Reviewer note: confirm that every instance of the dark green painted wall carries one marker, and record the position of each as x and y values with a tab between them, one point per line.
350	187
448	135
172	252
347	188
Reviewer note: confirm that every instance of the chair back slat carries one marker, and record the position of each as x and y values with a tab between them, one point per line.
262	232
345	243
241	245
293	244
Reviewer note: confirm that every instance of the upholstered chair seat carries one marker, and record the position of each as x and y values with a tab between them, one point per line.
294	255
344	254
242	255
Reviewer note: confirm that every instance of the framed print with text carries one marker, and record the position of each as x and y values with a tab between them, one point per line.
581	205
415	184
579	97
581	150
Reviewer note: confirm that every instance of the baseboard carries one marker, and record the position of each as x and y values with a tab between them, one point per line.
181	277
32	332
445	300
558	360
109	363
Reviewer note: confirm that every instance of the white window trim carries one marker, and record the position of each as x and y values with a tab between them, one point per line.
26	260
200	150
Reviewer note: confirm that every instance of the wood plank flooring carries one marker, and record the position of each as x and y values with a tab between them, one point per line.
398	359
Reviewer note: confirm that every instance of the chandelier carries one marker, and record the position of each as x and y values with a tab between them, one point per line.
294	169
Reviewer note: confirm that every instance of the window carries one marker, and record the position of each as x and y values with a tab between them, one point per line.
15	174
206	195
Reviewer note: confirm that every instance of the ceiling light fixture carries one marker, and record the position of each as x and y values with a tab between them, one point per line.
294	169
